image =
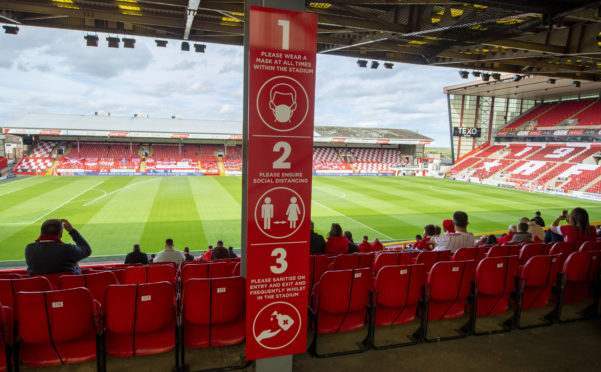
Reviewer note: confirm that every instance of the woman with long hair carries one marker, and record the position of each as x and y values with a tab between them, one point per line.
578	228
337	243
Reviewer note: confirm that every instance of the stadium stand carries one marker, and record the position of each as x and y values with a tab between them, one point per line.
532	114
38	161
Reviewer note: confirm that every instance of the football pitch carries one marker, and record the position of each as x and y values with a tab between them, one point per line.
113	213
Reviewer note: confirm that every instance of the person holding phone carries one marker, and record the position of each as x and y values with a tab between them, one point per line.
578	228
48	254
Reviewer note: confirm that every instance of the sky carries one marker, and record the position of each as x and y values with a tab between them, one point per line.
53	71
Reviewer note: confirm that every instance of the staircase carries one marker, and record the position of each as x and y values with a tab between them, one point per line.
50	170
221	167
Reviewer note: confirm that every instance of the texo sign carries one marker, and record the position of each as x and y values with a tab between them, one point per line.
282	50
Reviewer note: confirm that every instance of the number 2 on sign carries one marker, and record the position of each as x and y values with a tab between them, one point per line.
282	265
281	162
285	33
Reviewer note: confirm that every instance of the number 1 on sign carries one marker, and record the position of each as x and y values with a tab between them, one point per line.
285	33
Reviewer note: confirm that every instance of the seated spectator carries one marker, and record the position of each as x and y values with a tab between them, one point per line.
538	234
364	246
152	257
232	253
437	230
189	257
507	237
352	247
538	219
220	252
578	228
491	239
207	255
48	254
418	237
136	256
461	238
448	227
169	254
424	243
317	244
336	243
522	235
376	246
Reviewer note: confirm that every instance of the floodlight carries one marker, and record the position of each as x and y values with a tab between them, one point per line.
91	40
374	64
199	48
388	65
185	46
476	73
486	76
551	81
161	43
113	42
496	76
464	74
517	77
576	83
12	30
129	43
362	63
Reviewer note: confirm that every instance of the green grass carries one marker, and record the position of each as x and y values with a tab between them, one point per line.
113	213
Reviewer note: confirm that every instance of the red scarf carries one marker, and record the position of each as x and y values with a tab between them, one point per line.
55	238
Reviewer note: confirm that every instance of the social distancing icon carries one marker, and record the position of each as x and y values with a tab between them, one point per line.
282	103
278	212
276	325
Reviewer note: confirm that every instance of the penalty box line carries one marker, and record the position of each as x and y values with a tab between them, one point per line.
114	191
62	204
354	220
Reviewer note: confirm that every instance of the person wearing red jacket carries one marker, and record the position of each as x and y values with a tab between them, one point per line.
507	237
424	243
376	246
336	243
364	246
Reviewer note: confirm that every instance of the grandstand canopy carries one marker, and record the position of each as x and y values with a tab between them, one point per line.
531	87
144	128
548	37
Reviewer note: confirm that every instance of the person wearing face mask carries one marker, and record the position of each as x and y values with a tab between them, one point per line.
282	102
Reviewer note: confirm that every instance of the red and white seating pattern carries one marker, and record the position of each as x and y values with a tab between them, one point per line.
524	171
520	151
31	164
561	112
43	149
327	154
490	151
529	116
590	116
372	167
580	158
489	167
556	153
232	161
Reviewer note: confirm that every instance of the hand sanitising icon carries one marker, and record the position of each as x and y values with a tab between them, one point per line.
284	322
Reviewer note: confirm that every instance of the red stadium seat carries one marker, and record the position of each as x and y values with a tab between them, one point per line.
6	338
504	250
448	287
563	250
530	250
53	278
589	246
385	259
140	319
207	270
340	300
495	278
10	287
213	313
475	254
150	274
57	327
318	264
579	281
345	262
397	291
365	260
95	282
236	271
7	275
429	258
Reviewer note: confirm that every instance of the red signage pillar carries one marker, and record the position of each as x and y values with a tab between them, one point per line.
282	48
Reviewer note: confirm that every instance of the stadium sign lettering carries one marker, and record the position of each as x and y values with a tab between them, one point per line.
282	49
466	132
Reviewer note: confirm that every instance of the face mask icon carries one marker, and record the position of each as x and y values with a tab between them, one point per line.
282	102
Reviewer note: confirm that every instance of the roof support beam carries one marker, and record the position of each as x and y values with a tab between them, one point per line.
190	14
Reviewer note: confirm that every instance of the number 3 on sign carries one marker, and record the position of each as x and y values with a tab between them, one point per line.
282	265
285	33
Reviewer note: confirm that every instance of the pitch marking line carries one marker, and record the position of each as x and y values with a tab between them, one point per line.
73	198
354	220
14	189
114	191
11	182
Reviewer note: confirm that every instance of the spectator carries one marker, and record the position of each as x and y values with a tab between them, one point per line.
48	254
461	238
506	238
598	231
189	257
352	247
317	244
136	256
522	235
437	230
365	246
491	239
207	254
578	228
376	246
336	243
220	252
169	254
538	234
232	253
448	227
424	243
152	257
538	219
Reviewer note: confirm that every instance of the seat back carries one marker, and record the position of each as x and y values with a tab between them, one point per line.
530	250
385	259
429	258
236	271
465	254
498	251
398	290
135	274
563	250
7	275
95	282
365	260
213	311
10	287
408	258
449	285
140	318
537	277
346	261
56	327
162	273
495	282
579	271
589	246
53	278
318	264
6	323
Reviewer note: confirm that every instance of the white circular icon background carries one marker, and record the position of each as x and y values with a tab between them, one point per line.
299	319
260	201
285	80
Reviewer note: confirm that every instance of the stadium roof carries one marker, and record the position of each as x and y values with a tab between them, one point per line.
148	128
549	37
528	87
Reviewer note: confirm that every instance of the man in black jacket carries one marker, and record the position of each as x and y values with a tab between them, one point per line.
317	244
48	254
136	256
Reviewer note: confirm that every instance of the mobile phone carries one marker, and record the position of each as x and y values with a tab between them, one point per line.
565	213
